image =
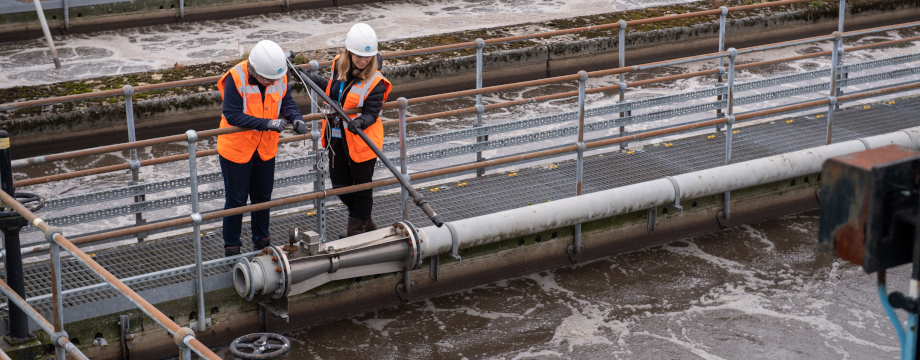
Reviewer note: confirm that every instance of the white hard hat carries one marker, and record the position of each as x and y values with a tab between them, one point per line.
361	40
268	60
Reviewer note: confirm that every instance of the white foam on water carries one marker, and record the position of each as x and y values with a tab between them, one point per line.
695	349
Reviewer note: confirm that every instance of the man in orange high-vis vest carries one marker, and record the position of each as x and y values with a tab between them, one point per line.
256	96
356	82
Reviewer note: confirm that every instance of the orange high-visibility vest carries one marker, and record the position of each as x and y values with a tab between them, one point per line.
357	149
239	147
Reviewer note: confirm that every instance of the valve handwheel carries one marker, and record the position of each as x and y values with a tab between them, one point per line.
260	346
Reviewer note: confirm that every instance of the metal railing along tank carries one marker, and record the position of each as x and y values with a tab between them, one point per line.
482	132
728	120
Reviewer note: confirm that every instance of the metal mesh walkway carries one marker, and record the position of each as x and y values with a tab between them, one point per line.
498	192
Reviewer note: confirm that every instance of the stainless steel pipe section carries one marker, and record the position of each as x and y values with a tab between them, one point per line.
637	197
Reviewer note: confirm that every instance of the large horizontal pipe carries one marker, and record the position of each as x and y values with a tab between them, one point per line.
604	204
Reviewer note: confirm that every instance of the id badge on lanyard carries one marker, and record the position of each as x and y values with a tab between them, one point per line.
336	130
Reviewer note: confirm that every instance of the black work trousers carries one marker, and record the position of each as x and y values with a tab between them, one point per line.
345	172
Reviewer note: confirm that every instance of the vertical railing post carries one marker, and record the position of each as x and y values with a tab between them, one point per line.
840	17
732	54
10	226
480	44
57	299
833	91
621	47
66	14
319	184
196	227
580	165
721	60
404	196
182	9
44	23
135	164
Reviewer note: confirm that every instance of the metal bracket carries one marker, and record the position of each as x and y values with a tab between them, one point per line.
194	324
652	218
676	206
126	337
276	308
402	293
433	268
455	242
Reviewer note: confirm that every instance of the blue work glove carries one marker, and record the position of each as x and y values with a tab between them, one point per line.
300	127
276	125
355	124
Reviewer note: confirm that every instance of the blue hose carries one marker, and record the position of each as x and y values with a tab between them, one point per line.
883	297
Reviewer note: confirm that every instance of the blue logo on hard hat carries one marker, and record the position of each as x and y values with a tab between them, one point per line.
280	70
367	48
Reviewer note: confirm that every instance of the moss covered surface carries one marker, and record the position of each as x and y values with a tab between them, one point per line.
803	11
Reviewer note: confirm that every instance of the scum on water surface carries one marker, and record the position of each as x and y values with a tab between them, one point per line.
808	11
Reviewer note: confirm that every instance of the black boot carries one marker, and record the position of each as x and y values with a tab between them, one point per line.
356	226
261	244
231	250
370	225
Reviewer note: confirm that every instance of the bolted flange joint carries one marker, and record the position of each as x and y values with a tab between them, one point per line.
183	336
129	90
192	136
196	218
480	43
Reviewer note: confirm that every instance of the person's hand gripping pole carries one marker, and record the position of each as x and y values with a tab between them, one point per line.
416	196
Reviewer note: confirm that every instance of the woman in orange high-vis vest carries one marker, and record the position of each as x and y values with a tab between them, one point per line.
356	82
256	95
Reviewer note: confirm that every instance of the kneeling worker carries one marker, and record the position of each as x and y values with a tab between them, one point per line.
256	96
356	82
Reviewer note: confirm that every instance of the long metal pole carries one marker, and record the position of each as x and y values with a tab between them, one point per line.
41	18
721	59
419	200
320	183
196	221
404	196
727	196
134	163
840	17
479	107
579	170
59	338
621	47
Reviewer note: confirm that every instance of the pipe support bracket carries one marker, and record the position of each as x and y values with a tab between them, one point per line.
676	205
454	242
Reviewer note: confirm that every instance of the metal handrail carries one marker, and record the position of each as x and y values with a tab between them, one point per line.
182	336
484	164
58	337
620	70
403	53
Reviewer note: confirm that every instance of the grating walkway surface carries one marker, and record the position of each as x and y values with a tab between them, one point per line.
500	192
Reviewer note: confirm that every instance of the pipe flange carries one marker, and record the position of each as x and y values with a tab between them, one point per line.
246	290
415	246
282	261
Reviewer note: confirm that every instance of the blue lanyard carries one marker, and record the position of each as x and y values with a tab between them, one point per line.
341	88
